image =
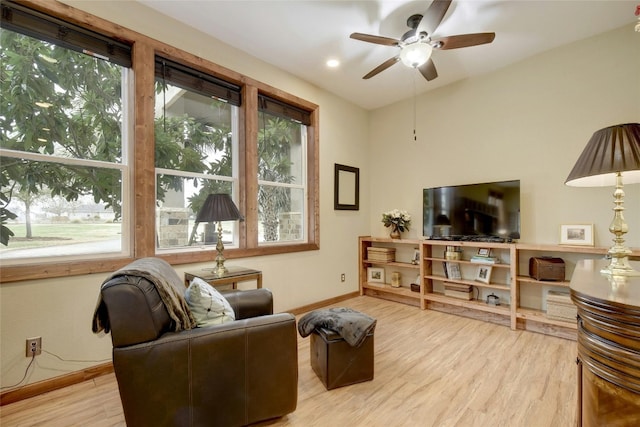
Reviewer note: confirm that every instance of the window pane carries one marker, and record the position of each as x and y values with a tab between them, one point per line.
282	178
62	137
59	102
195	147
179	200
280	150
80	215
193	133
282	213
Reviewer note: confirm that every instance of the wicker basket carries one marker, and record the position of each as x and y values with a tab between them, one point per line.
560	307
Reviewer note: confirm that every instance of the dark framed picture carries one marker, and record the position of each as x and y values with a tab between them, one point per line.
346	188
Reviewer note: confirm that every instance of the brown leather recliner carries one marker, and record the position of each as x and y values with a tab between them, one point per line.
236	373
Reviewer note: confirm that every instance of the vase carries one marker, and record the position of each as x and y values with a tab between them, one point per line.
395	233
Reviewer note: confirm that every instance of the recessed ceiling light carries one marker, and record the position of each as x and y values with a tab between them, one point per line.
333	63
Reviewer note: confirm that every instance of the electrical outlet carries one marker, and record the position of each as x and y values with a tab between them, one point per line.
343	277
34	347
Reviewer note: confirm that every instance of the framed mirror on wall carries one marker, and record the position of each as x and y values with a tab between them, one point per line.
346	191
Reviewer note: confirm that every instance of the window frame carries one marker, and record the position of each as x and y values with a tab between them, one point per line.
145	49
205	85
276	108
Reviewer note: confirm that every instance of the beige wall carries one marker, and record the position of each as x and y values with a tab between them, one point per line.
528	121
60	310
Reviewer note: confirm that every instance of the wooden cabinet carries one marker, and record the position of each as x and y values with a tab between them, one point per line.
523	300
608	346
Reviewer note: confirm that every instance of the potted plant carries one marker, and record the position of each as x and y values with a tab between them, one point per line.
398	220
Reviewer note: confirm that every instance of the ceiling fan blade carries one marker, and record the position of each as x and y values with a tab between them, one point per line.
433	16
386	64
428	70
463	40
387	41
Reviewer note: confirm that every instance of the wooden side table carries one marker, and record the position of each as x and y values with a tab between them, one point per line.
608	346
232	277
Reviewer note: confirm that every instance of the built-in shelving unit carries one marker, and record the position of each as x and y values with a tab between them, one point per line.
497	283
522	299
410	272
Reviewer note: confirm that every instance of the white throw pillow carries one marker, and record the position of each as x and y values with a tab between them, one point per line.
208	305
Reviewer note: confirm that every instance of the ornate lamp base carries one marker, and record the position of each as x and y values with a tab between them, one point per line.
619	265
220	269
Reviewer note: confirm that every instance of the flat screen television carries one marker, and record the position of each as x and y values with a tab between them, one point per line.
481	212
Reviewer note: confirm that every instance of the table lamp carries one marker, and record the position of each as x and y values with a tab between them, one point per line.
611	156
218	208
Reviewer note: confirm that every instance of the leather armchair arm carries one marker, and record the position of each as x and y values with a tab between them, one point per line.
250	303
231	374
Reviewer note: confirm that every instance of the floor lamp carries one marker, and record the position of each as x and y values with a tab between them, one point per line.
611	156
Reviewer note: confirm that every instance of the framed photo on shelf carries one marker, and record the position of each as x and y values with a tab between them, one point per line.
453	270
483	274
416	257
576	234
375	275
484	252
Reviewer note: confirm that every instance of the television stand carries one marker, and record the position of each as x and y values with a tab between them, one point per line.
473	238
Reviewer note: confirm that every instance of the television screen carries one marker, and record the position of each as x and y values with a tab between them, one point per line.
488	211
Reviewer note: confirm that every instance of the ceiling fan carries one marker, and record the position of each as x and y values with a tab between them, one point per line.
416	45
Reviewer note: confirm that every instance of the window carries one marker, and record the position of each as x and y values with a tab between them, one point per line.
196	136
75	141
63	145
282	184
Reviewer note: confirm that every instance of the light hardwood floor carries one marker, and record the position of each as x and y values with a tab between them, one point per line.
431	369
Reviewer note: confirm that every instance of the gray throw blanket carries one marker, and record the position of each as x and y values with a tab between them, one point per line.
168	284
350	324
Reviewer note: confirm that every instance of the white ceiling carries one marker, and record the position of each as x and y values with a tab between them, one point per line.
300	36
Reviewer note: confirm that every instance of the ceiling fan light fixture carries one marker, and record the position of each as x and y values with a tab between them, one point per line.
415	54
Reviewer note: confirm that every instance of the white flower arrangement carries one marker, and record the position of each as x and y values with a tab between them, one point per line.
400	220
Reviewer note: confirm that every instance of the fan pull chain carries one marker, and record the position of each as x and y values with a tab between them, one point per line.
415	137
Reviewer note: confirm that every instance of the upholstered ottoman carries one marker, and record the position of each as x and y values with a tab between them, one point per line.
337	363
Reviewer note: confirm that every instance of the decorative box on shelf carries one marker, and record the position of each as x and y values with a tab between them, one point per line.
546	268
381	254
560	307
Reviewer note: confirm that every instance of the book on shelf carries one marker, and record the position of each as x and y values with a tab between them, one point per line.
484	259
466	295
457	287
457	290
381	254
